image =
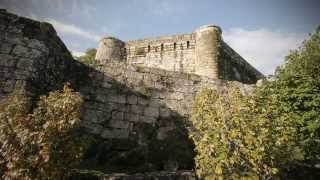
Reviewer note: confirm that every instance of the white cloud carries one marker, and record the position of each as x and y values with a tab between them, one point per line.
264	49
77	53
71	29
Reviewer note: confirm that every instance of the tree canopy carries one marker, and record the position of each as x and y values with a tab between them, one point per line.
89	56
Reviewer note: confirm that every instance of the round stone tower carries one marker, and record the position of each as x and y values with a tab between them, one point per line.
206	50
110	48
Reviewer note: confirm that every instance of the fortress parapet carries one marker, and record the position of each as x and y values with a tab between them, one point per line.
202	52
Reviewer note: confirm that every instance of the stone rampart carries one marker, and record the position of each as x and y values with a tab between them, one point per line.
202	52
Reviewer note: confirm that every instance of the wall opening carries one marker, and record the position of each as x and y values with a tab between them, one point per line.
188	44
149	48
174	46
162	47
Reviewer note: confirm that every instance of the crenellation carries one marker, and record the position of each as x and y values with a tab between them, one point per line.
202	52
162	39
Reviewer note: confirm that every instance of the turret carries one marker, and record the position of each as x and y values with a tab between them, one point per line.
110	48
207	48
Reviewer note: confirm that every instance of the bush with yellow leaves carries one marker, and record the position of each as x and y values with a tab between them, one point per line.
40	142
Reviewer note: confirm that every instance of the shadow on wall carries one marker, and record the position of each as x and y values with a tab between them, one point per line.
134	132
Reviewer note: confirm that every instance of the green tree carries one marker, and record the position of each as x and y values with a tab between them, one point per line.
40	143
257	136
89	57
296	93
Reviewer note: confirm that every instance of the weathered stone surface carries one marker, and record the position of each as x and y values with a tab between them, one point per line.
136	109
164	112
94	115
142	101
115	133
92	128
32	52
123	101
151	111
117	98
131	117
132	99
128	100
121	124
117	115
147	119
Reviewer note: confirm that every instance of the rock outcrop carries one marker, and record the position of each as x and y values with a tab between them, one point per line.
34	57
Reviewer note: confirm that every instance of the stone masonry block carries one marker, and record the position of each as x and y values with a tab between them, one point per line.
95	116
131	117
91	127
132	99
117	116
165	112
7	60
147	119
24	64
114	123
117	98
5	48
143	101
136	109
115	133
151	111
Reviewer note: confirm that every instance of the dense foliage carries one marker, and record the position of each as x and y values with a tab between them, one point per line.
40	143
257	136
297	94
233	139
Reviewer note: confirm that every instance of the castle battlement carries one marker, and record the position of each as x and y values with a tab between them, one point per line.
202	52
162	39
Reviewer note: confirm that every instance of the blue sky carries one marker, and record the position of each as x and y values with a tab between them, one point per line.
262	31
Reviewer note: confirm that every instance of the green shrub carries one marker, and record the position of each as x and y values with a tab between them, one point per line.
40	143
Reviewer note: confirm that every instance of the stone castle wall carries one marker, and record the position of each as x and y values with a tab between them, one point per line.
202	52
145	109
233	67
173	53
139	114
